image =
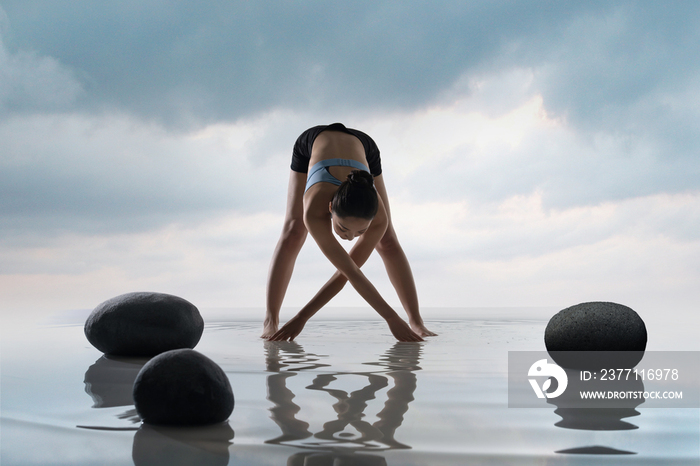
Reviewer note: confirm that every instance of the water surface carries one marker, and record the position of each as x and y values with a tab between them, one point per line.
345	393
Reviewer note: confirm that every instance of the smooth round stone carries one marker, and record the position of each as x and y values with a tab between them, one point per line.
144	324
182	387
597	327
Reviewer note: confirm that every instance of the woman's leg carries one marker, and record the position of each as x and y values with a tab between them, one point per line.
285	255
398	268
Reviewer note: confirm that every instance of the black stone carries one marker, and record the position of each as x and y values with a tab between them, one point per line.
144	324
182	387
614	331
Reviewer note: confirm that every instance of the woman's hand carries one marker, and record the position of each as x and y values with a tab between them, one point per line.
290	330
401	330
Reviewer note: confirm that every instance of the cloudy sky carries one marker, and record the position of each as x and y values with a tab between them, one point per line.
536	153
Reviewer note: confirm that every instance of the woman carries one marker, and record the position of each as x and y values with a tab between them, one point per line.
321	203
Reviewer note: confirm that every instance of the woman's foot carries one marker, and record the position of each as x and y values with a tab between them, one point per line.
270	327
421	330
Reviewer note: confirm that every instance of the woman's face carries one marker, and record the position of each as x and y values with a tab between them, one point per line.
349	227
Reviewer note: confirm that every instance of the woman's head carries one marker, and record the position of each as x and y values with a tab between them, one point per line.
354	205
356	197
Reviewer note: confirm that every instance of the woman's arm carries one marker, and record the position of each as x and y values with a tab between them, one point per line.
348	269
359	254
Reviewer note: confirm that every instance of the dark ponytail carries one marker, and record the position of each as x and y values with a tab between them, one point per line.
356	197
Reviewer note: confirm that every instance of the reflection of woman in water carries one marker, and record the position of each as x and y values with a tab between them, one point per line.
356	207
350	431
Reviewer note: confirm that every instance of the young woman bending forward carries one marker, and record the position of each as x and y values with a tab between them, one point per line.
342	193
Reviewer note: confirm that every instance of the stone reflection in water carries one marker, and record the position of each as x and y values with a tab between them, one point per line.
322	458
335	444
600	417
182	446
596	450
110	381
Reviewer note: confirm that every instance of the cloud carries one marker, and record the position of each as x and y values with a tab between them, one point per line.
219	262
606	63
642	251
611	68
478	145
523	226
190	64
72	173
30	82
